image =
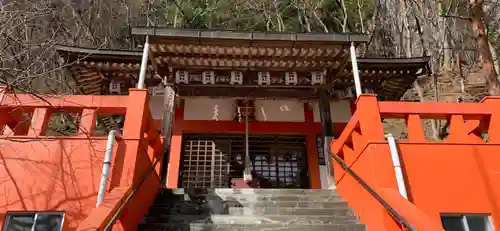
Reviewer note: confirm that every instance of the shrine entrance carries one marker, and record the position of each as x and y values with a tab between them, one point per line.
212	161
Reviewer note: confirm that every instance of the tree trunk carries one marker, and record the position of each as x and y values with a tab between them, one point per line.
444	38
495	58
479	29
407	43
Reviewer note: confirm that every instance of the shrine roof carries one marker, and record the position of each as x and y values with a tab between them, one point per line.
249	52
392	76
222	37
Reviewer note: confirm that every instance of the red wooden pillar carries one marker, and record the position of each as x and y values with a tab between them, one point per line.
312	150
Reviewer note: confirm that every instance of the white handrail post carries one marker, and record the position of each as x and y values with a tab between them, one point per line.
106	166
397	165
355	71
144	64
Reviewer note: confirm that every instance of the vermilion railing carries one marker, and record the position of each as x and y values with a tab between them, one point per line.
469	123
71	165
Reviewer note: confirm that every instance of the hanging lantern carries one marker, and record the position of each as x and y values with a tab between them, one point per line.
291	78
236	77
208	77
115	87
181	77
317	77
264	78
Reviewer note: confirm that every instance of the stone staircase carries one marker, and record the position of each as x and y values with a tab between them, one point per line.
250	209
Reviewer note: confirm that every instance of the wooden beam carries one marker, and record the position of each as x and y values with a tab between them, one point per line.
330	77
230	50
151	58
305	93
247	64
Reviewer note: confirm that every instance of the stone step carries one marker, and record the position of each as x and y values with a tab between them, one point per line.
250	209
256	197
269	219
225	204
227	191
225	208
274	191
288	211
250	227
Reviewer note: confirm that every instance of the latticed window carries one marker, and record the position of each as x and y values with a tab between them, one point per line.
211	160
34	221
460	222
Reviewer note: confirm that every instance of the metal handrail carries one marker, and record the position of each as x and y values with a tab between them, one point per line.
386	205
